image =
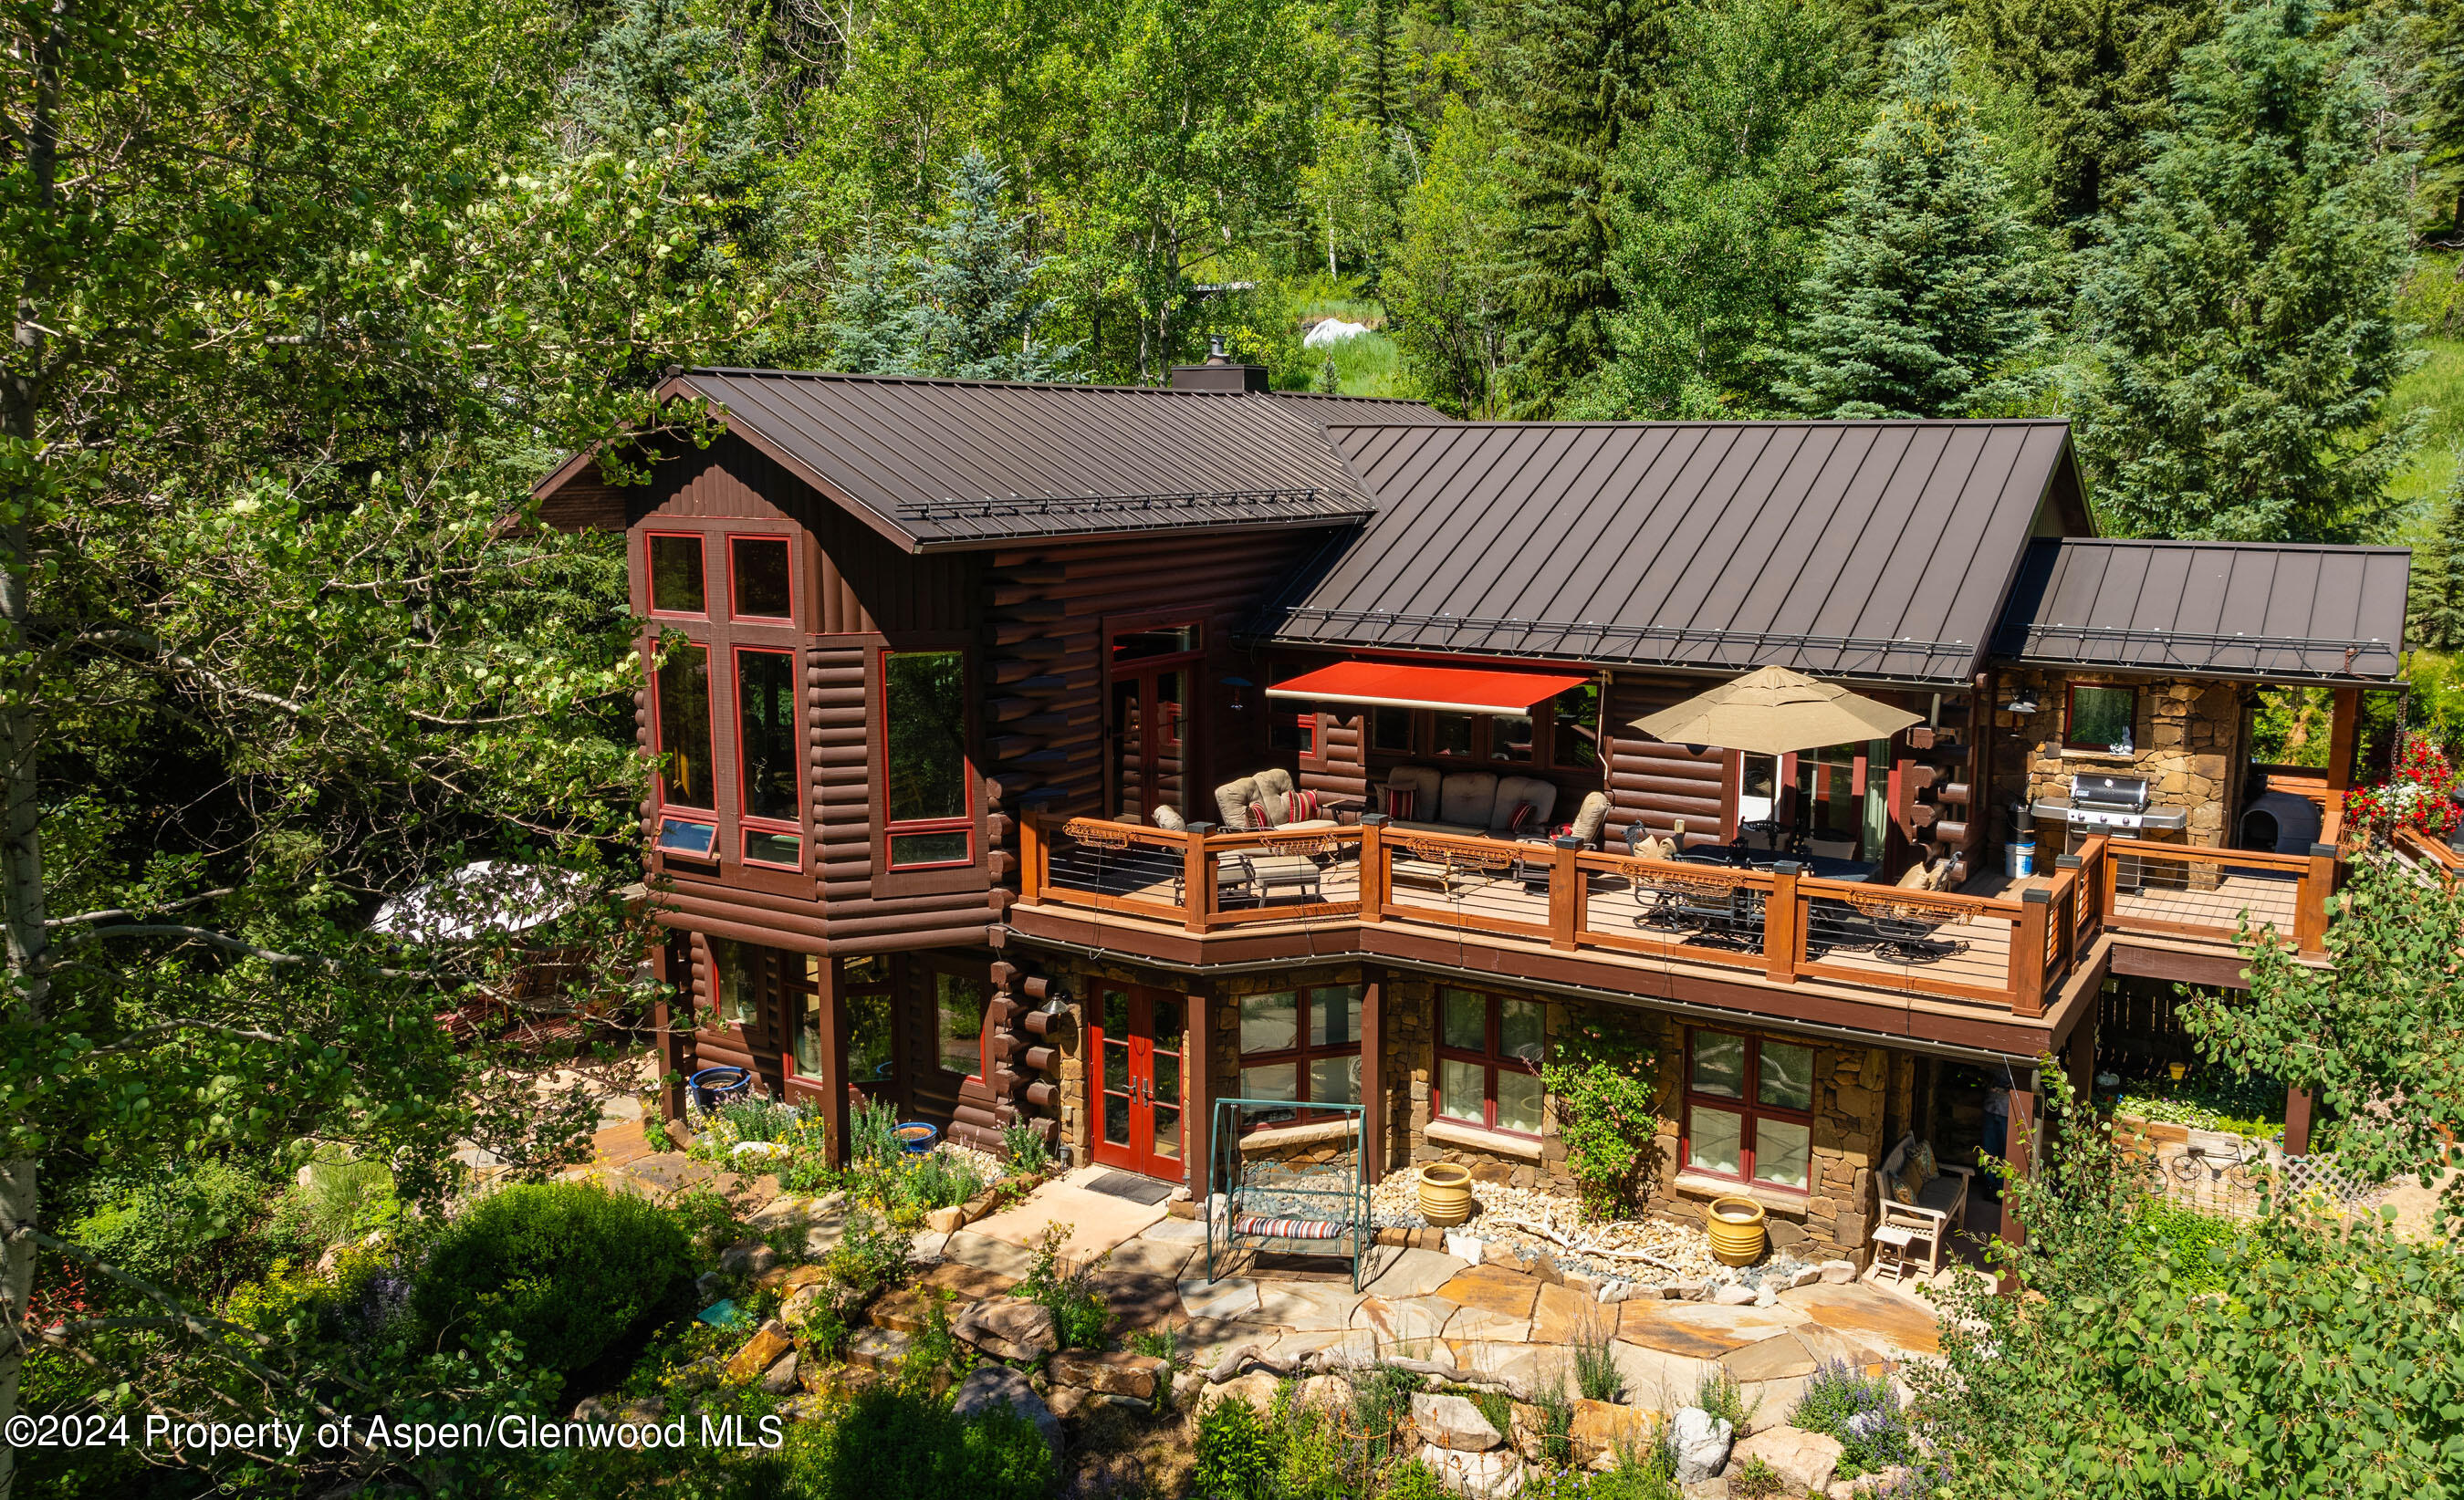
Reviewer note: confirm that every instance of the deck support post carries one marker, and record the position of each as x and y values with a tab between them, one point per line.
2344	732
676	973
1196	1096
2019	1151
1196	878
828	983
1372	1073
1781	937
2027	952
2298	1103
1565	893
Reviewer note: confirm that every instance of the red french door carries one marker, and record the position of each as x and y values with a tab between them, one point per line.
1150	671
1138	1102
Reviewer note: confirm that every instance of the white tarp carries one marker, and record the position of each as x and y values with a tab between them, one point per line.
488	896
1334	330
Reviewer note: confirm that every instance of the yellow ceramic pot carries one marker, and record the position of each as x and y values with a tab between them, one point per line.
1735	1226
1446	1193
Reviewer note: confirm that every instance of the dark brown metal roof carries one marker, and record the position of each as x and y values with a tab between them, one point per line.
1866	549
936	464
1331	411
2210	608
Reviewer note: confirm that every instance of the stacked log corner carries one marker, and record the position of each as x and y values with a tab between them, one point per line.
1021	1085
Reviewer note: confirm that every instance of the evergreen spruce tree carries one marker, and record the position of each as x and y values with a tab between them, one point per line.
866	310
2434	614
2244	305
1924	297
1576	74
2099	72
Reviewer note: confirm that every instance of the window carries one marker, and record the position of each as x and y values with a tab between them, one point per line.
925	732
675	575
1162	641
1489	1052
759	574
958	1024
688	838
1749	1109
1509	736
864	1000
1294	732
1450	734
1574	738
765	755
684	729
1391	729
1301	1045
2099	717
730	965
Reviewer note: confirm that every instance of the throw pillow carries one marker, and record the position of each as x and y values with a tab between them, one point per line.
1902	1193
1400	801
1258	816
1300	807
1523	811
1170	820
1922	1164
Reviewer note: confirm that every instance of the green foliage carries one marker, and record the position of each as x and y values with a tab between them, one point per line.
1496	1406
2116	1376
1595	1369
1756	1480
184	1224
1236	1453
2435	609
1446	284
2202	1252
1024	1151
2379	1034
2209	1098
1066	1289
1861	1411
1924	303
871	1137
1723	195
897	1438
870	1257
939	1180
343	1199
569	1271
1603	1075
1718	1393
2243	307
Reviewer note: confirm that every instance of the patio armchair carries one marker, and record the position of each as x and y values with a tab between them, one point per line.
1235	877
1921	1198
1265	796
1908	929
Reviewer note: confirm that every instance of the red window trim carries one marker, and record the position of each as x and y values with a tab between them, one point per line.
892	831
1749	1106
2070	712
650	580
1492	1059
658	749
794	594
745	820
1300	1054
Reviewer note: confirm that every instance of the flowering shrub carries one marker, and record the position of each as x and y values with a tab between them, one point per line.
1861	1411
2420	794
1603	1075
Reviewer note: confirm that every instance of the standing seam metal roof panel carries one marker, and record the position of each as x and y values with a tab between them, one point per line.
1875	549
2209	609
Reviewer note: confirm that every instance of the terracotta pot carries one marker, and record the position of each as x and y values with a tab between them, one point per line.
1446	1193
1735	1226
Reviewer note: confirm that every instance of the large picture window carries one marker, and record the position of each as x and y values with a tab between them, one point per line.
1489	1052
1749	1109
684	729
2100	717
925	730
766	753
1302	1044
677	582
958	1022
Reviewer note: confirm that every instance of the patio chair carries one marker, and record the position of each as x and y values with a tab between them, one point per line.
1921	1198
1275	789
1908	929
1234	877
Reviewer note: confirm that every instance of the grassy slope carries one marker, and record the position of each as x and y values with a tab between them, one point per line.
1365	364
2437	390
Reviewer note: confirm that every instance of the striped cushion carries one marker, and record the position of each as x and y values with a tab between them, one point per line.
1300	807
1285	1228
1523	811
1400	802
1258	816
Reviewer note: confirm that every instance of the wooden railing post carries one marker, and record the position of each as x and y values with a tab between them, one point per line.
1196	878
1031	856
1565	893
2027	952
1373	867
2310	912
1782	935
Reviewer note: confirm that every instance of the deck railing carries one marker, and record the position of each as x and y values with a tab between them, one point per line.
2006	950
2425	853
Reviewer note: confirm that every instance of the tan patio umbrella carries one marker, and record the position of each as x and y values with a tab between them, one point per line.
1773	711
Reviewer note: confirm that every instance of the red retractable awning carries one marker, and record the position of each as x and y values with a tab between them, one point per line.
1457	690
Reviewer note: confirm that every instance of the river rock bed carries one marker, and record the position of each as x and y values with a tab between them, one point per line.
1684	1250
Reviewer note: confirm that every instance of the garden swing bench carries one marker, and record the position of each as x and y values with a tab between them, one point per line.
1295	1208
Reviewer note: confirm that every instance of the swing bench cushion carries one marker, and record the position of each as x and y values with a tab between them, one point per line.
1287	1228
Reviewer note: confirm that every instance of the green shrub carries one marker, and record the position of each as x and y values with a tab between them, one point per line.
572	1271
1024	1151
2201	1251
1860	1410
1719	1394
940	1180
1068	1291
1756	1480
1595	1370
870	1140
1603	1075
342	1200
1236	1453
897	1440
185	1226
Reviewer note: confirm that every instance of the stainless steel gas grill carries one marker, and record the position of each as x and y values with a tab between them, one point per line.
2099	803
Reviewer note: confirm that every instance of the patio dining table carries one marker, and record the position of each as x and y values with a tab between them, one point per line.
1822	867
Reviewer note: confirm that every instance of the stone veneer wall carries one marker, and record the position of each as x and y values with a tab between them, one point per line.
2185	740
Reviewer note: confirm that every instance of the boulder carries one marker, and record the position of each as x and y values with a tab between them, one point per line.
1463	1248
760	1353
802	1303
991	1385
1326	1391
1804	1461
1008	1329
1684	1290
1069	1400
787	1278
878	1348
946	1220
1700	1443
1891	1478
1839	1271
1493	1475
1732	1294
1526	1432
1454	1424
1767	1296
1187	1387
1113	1374
1804	1277
781	1378
1603	1429
1257	1388
750	1258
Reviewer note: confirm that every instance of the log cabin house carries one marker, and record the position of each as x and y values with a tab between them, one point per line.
1071	757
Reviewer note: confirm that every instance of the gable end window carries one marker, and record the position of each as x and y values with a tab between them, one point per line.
676	579
761	578
2099	717
924	733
